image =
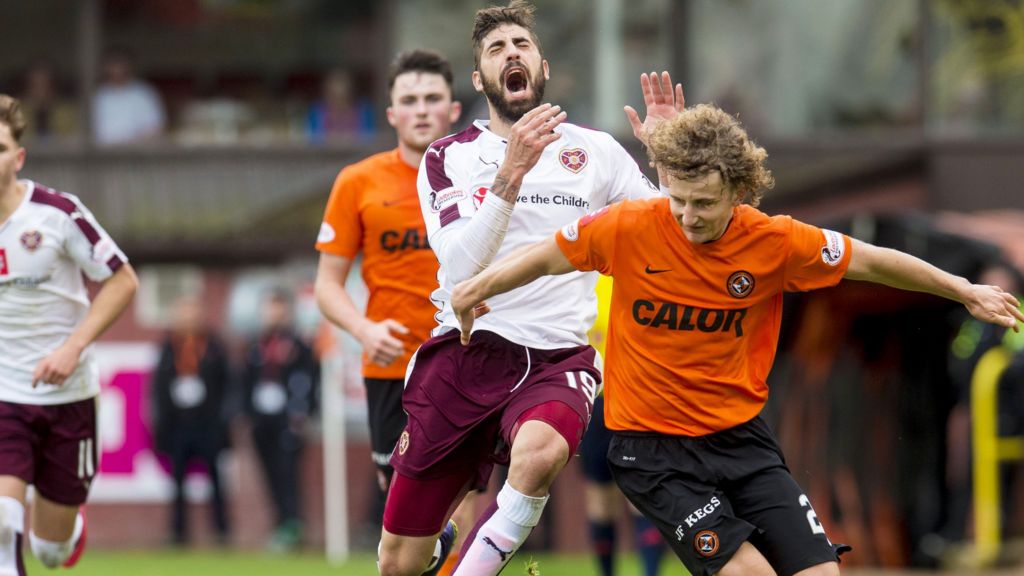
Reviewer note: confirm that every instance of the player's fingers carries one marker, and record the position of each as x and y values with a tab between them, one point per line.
645	88
634	121
546	119
666	85
395	326
680	100
659	90
481	309
1016	312
522	126
551	123
466	327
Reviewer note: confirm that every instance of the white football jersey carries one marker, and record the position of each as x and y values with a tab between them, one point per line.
45	246
581	172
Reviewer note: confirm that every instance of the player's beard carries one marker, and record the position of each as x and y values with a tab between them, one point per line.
511	112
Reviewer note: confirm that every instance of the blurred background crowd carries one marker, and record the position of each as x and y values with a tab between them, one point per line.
205	135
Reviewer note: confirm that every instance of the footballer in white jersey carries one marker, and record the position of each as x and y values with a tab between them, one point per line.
521	392
584	171
45	246
48	381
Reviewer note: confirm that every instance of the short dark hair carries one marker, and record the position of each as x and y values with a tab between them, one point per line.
419	60
11	114
518	12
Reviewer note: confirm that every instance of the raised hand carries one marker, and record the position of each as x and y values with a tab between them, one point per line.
527	140
662	102
995	305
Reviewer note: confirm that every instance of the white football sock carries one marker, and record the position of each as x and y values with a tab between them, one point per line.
12	523
52	554
502	534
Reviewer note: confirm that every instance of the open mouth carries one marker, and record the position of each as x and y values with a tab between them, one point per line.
515	80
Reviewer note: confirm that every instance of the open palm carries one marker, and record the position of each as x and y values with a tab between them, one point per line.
662	102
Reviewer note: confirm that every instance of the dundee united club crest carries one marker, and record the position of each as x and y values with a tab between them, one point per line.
706	543
573	159
740	284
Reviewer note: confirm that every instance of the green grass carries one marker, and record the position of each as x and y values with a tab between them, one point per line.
217	563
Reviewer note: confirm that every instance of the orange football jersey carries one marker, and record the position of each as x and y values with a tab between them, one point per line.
374	209
694	327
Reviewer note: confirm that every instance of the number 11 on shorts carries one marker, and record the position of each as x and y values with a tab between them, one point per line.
587	383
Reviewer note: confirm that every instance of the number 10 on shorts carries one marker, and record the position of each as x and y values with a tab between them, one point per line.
586	382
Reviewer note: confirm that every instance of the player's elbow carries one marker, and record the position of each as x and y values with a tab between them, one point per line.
128	280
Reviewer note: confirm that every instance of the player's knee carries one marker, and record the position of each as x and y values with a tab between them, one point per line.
547	435
747	561
825	569
50	554
394	559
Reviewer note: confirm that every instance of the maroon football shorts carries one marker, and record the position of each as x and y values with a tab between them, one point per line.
464	402
52	447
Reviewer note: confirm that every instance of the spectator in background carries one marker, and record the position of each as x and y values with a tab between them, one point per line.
126	109
280	376
51	117
189	388
339	112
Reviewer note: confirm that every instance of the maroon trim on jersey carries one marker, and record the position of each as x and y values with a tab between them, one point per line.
436	175
114	263
449	214
44	195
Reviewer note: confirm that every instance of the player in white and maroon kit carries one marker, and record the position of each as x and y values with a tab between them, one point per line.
522	392
49	381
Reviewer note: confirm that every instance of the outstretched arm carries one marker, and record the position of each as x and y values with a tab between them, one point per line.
523	266
901	270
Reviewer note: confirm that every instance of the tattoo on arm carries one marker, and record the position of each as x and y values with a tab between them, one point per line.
504	189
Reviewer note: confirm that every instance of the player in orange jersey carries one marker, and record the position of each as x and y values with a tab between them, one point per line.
374	209
699	278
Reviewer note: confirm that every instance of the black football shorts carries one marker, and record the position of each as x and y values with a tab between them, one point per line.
709	494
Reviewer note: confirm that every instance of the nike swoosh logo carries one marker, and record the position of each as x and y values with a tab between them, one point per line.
650	270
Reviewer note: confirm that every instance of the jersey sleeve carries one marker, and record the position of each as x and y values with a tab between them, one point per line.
464	227
89	245
443	188
341	232
627	182
589	242
817	257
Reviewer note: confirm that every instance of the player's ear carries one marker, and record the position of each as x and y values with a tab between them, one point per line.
19	161
544	67
478	82
455	112
390	113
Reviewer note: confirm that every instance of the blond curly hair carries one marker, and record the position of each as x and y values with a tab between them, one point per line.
705	139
